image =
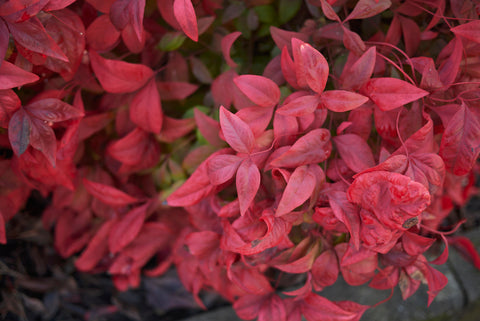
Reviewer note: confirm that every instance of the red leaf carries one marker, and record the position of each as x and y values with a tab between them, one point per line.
173	129
53	110
328	11
102	35
257	118
226	45
469	30
175	90
460	144
126	229
202	243
12	76
96	249
316	307
358	73
385	279
4	38
300	106
315	67
368	8
353	42
411	35
272	308
67	29
134	148
342	100
260	90
146	108
43	139
9	104
466	248
390	93
297	259
185	15
118	76
19	129
197	185
247	183
299	188
283	38
355	152
209	128
302	153
325	270
347	213
200	70
449	68
32	35
436	280
415	244
249	279
221	168
236	132
108	194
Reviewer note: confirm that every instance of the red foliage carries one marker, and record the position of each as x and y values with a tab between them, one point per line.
342	158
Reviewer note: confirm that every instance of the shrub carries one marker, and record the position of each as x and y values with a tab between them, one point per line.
179	132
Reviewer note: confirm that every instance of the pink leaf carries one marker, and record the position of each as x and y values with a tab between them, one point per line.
342	100
108	194
368	8
469	30
226	45
300	106
390	93
302	153
358	73
175	90
221	168
209	128
236	132
283	38
315	67
355	152
185	15
146	108
247	182
118	76
353	42
12	76
260	90
299	188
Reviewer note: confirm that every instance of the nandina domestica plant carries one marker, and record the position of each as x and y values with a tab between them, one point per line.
335	150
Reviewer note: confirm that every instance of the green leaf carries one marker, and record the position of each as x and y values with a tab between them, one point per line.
171	41
287	9
266	13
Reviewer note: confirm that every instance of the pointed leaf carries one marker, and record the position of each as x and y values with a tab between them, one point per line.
209	128
226	45
127	228
299	188
175	90
53	110
19	129
9	104
186	18
300	106
302	153
460	144
260	90
42	138
118	76
368	8
247	182
108	194
358	73
32	35
355	152
390	93
469	30
97	248
315	66
236	132
221	168
342	100
12	76
146	108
